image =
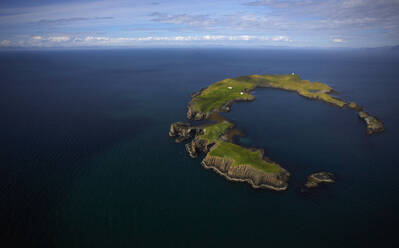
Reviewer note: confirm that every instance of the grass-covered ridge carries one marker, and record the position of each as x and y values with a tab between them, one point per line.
244	156
213	132
224	92
219	93
293	82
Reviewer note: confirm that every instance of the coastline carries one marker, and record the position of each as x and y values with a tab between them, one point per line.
276	179
373	124
248	180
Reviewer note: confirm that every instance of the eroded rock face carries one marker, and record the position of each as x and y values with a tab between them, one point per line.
373	124
183	131
192	115
315	179
197	146
246	173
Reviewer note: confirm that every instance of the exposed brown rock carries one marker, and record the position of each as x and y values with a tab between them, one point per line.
193	115
315	179
198	145
373	124
246	173
183	131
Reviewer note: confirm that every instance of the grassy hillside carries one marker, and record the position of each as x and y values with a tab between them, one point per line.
242	155
212	133
220	93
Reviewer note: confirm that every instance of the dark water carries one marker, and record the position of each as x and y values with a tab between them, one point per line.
85	160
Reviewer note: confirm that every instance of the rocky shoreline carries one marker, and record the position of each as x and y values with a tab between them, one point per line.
198	146
240	164
246	173
373	124
257	178
315	179
198	116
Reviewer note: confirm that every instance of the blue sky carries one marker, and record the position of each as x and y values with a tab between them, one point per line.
192	23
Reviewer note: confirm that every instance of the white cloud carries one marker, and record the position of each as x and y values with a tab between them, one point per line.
5	43
38	38
91	40
59	38
114	40
71	20
338	40
355	18
311	22
281	38
191	20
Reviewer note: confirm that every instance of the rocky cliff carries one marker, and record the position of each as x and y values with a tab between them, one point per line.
197	146
183	131
195	115
315	179
237	163
373	124
246	173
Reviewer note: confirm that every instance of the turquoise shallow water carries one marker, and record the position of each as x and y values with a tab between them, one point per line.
86	160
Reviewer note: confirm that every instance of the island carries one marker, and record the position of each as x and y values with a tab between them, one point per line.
315	179
234	162
215	139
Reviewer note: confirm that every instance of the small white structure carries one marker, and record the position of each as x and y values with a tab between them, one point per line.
230	87
242	93
292	73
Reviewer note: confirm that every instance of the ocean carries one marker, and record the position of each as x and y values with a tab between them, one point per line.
86	161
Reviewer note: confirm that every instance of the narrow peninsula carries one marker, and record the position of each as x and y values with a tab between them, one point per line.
235	162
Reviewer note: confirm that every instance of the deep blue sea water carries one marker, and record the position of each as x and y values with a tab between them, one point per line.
85	159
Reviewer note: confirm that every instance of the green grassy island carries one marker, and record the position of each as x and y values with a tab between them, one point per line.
234	162
240	155
220	95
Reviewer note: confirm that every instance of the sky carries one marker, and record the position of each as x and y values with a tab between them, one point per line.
204	23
